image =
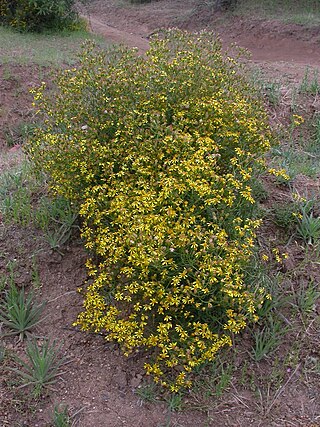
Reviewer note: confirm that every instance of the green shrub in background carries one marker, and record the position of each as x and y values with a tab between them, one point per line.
38	15
159	153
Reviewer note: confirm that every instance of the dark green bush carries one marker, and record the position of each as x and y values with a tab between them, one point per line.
39	15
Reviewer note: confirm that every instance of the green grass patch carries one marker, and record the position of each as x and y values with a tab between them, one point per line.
50	48
305	12
24	200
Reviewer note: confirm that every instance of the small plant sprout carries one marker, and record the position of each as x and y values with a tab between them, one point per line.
307	297
57	219
310	84
268	339
43	366
147	392
20	312
61	417
174	401
309	225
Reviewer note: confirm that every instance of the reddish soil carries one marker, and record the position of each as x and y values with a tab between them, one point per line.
268	41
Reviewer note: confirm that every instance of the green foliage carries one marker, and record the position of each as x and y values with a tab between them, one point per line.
310	84
61	417
285	215
42	367
160	152
56	218
43	49
215	377
39	15
308	227
296	11
25	201
174	402
273	93
147	392
268	339
306	297
20	312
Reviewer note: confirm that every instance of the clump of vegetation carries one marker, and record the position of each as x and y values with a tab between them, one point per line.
160	154
43	366
61	417
31	15
19	312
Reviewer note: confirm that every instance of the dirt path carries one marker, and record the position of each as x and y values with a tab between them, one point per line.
289	48
118	36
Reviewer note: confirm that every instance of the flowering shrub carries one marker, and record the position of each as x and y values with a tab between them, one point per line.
159	153
37	15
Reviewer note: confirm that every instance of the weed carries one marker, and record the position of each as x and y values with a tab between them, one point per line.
247	378
16	191
312	365
18	207
270	89
310	84
295	162
259	192
277	374
308	227
147	392
285	215
3	283
273	93
7	74
61	220
174	402
19	312
215	377
17	135
306	298
28	15
294	100
43	366
268	398
222	379
61	417
317	135
35	276
54	216
268	339
277	301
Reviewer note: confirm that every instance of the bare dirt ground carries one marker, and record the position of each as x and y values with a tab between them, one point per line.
267	41
100	385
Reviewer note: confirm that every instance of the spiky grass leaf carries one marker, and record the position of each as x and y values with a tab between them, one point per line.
19	312
43	365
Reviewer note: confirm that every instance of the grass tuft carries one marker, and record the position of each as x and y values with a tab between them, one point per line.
43	366
19	312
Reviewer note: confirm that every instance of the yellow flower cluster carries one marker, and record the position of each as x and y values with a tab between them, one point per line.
159	153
